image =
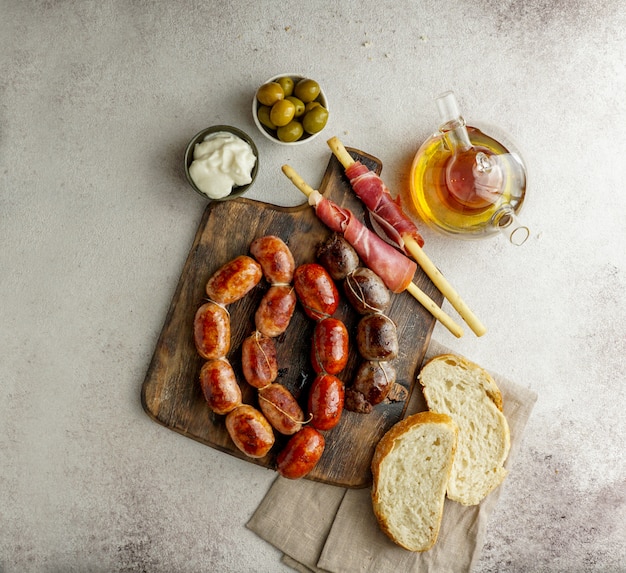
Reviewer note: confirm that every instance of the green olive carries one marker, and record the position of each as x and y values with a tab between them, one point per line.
298	103
282	112
270	93
290	132
287	84
309	106
263	113
315	120
306	90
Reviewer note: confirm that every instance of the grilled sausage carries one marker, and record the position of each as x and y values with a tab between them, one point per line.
377	337
316	290
281	409
275	310
234	280
211	331
337	256
326	400
301	454
219	386
258	360
250	431
275	259
329	351
366	291
374	380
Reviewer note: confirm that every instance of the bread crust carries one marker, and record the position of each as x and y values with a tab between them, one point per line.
385	446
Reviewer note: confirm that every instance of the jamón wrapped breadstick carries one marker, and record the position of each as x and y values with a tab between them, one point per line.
398	227
389	264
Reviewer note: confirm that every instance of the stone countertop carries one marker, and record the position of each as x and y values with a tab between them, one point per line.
97	102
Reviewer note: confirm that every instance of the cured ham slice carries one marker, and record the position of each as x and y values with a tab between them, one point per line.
398	227
370	188
388	263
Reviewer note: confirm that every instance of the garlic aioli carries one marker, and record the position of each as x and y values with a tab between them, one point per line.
220	162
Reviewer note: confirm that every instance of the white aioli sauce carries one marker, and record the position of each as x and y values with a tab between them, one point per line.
220	162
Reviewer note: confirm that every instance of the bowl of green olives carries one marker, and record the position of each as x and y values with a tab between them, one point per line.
290	109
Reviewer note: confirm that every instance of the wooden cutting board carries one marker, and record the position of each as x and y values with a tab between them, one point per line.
171	393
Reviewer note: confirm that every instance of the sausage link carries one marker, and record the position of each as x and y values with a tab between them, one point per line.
234	280
275	310
377	337
366	291
258	360
374	380
316	290
329	351
301	454
281	409
326	400
219	386
337	256
275	259
250	431
211	331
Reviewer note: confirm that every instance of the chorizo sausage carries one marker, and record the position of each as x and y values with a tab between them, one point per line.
234	280
366	291
275	259
219	386
275	310
377	337
250	431
301	454
258	360
316	290
337	256
281	409
329	351
211	331
326	400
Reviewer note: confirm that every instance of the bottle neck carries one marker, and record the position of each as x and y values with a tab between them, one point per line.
507	222
455	135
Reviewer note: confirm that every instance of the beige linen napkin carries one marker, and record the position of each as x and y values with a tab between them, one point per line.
324	528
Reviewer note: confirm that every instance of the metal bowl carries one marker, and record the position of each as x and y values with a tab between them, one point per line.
237	191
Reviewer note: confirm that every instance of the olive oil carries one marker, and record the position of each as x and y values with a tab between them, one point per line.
467	184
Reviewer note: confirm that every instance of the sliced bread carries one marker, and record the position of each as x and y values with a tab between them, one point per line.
468	394
410	469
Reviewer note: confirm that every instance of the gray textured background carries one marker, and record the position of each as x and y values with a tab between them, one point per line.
97	101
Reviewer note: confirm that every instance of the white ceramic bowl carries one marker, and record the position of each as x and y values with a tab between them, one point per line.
306	137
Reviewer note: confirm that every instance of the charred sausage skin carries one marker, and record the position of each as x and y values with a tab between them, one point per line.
234	280
211	331
219	386
281	409
250	431
275	259
275	310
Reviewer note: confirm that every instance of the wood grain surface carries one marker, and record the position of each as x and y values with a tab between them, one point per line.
171	393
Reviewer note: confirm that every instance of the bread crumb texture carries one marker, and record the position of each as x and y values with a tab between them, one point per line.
467	393
411	467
